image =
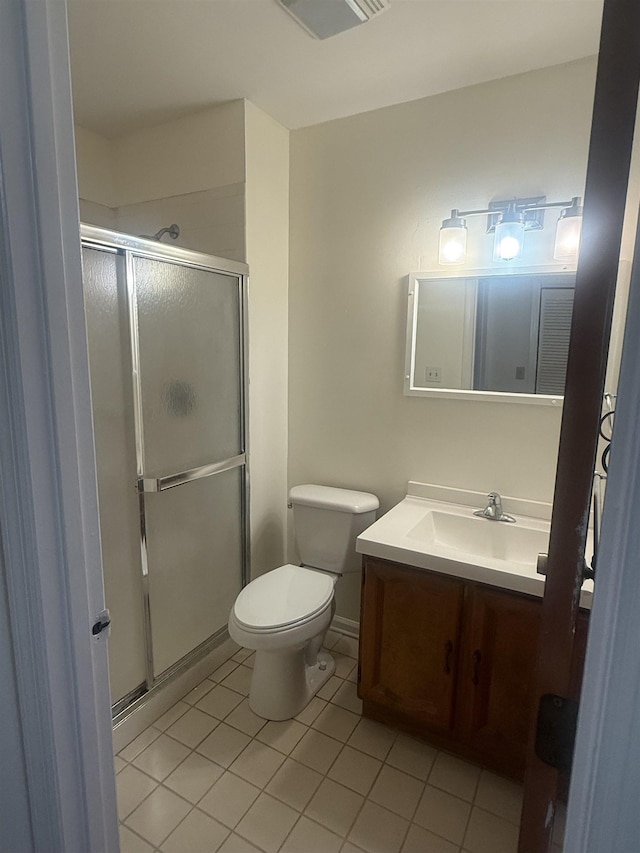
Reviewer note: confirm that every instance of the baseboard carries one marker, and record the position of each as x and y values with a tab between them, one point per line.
346	626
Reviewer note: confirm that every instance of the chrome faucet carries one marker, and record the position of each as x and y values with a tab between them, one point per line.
493	510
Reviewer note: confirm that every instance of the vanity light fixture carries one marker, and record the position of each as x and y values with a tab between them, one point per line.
453	239
508	221
509	235
568	232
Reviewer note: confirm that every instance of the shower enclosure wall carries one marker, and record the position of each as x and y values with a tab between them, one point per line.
167	350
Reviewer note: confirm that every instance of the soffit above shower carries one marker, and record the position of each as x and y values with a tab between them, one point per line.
136	63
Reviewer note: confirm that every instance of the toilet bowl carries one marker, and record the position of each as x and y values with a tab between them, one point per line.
284	614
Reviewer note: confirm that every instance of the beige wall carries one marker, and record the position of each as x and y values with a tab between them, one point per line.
267	229
368	194
210	221
94	159
190	171
190	154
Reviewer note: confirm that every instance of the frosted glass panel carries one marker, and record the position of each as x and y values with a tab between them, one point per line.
189	340
112	396
194	541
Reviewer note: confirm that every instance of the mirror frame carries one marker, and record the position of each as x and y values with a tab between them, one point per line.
413	390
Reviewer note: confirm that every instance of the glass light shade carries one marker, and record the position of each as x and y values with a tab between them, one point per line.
507	244
568	232
453	244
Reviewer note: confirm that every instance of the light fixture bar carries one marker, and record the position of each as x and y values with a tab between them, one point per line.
530	208
500	206
509	219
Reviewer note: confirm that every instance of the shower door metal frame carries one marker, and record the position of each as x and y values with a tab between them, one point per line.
130	247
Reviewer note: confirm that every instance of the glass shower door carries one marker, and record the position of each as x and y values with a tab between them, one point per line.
188	369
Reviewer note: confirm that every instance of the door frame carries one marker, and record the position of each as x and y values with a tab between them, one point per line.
48	495
603	809
607	182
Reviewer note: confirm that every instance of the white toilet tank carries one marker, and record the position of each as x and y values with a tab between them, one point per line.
327	522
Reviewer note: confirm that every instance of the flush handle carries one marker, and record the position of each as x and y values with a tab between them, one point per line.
477	660
448	651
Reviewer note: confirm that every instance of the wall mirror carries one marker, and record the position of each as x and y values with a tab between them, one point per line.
489	336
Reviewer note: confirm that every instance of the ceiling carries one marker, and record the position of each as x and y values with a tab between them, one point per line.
136	63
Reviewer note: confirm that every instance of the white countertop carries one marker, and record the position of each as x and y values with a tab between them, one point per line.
406	534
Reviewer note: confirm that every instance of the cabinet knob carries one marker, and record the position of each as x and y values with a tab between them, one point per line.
477	660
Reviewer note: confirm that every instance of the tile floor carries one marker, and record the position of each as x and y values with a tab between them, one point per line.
209	775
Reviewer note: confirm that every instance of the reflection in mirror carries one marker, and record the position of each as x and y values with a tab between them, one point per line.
503	334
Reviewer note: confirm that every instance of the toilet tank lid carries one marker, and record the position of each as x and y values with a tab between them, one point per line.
328	497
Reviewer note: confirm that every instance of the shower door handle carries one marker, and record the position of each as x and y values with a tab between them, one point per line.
160	484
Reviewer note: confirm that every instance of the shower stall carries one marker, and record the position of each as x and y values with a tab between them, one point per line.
168	358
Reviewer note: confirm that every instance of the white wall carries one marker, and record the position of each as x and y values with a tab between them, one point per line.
267	235
368	194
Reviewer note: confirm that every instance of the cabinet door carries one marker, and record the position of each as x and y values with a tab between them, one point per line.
409	642
497	694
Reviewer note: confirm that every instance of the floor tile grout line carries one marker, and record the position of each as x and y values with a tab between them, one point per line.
191	750
150	726
364	796
466	827
438	835
296	822
316	822
300	812
355	817
446	790
161	784
135	832
167	711
484	769
188	746
191	810
194	749
244	838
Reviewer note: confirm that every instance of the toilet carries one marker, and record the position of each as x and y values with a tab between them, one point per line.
284	614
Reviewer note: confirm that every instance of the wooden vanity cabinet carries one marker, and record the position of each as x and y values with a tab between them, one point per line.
450	659
409	645
496	695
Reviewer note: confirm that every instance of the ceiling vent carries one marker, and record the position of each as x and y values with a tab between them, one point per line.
325	18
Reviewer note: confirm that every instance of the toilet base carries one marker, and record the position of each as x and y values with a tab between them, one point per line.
283	684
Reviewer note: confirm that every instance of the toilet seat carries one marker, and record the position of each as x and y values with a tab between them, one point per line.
286	596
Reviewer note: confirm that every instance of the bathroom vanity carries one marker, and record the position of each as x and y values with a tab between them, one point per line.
448	638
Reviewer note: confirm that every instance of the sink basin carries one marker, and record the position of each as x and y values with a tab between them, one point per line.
448	538
478	537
